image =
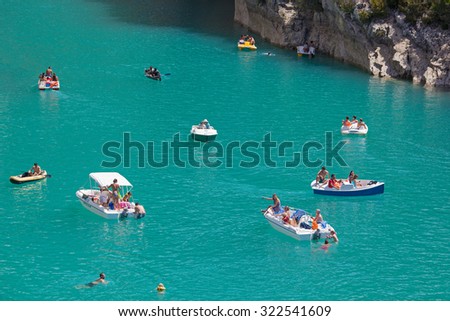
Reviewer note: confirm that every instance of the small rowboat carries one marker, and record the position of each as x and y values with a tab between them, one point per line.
152	75
246	45
363	188
25	178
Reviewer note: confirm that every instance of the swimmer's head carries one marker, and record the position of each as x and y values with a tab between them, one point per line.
102	275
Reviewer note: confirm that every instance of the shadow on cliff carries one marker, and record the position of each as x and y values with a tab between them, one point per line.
215	17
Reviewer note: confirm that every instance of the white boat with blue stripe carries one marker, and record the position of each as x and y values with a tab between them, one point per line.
360	188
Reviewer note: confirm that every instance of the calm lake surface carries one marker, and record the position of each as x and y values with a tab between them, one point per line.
204	236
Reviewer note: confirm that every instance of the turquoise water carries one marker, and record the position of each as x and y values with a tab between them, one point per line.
204	236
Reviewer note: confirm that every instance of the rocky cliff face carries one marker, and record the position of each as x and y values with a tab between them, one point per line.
387	48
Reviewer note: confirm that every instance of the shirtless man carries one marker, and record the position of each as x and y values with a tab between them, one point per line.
318	218
276	207
139	210
35	170
361	124
322	176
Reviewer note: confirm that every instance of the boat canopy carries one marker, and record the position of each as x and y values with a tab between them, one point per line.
106	178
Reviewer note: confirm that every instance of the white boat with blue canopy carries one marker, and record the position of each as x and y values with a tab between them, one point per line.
98	199
303	228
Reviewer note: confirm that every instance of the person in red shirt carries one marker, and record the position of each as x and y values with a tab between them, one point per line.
334	183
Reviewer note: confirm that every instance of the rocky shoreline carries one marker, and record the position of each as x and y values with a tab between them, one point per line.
385	48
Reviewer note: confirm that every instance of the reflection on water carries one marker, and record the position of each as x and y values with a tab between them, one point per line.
211	16
35	190
49	100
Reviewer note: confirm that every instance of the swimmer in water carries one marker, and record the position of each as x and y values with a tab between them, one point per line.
101	279
160	288
326	245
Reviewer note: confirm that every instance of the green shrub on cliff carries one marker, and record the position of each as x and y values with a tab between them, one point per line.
346	6
379	8
427	11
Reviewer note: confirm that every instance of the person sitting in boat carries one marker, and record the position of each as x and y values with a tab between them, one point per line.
346	122
49	72
276	207
354	182
351	176
242	39
318	218
334	183
126	197
35	170
306	48
322	176
361	124
354	120
42	76
153	71
205	121
104	197
139	210
54	77
251	40
286	217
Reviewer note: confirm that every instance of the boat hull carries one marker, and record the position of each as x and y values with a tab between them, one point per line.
203	134
48	85
246	46
348	190
300	234
85	198
18	179
354	130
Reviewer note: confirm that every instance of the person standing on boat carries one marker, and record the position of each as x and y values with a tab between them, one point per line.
322	175
35	170
276	207
115	192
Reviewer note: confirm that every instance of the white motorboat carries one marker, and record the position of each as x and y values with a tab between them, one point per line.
364	187
203	132
100	202
306	51
354	129
304	230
